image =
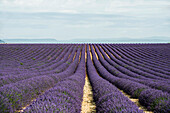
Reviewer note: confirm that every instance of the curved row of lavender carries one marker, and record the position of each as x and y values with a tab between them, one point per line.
12	78
17	55
65	96
19	92
137	67
153	99
40	58
149	64
107	97
122	70
27	71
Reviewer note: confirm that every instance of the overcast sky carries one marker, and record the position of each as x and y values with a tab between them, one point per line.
71	19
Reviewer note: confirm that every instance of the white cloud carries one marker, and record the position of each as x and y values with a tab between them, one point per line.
125	7
98	18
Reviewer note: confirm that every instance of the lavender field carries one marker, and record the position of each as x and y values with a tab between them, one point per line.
50	78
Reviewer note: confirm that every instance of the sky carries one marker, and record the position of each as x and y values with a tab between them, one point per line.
84	19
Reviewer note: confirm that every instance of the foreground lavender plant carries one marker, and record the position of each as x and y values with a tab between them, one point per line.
19	94
29	70
136	89
107	97
66	96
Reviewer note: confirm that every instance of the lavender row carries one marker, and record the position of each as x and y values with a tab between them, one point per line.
148	53
14	61
62	58
19	94
139	66
48	59
126	71
146	63
133	70
140	71
158	84
107	97
33	61
158	102
127	52
23	66
139	55
133	67
66	96
26	53
153	53
12	79
16	67
142	64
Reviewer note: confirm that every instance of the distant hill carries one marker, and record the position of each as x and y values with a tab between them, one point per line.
30	40
154	39
1	41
